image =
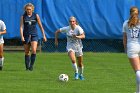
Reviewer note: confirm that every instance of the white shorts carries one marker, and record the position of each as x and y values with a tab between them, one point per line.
77	53
133	51
1	41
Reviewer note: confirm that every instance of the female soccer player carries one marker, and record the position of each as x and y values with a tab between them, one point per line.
74	45
29	35
131	42
2	31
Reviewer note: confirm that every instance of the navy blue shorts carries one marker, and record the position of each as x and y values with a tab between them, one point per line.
30	38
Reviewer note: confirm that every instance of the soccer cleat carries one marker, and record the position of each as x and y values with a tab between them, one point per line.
27	67
81	77
76	76
31	68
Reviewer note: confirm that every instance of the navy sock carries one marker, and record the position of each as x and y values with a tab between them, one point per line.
27	61
33	57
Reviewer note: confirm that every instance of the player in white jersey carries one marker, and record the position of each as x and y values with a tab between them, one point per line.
131	42
74	35
2	31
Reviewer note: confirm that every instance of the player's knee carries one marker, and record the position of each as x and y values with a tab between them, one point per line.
80	64
73	61
27	52
33	52
1	55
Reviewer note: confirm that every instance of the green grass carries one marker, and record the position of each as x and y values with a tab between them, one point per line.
104	73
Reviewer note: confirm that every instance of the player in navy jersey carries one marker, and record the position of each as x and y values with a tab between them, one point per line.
29	35
131	42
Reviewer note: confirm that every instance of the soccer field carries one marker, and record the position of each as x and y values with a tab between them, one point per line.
104	73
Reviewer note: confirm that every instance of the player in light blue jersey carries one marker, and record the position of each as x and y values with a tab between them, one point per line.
2	31
131	42
74	35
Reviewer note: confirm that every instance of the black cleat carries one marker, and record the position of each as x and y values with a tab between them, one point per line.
31	68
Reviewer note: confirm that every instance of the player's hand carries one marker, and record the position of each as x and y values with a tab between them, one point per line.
56	43
74	36
44	39
23	40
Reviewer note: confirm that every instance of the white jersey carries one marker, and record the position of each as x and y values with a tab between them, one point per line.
133	34
133	40
2	28
73	43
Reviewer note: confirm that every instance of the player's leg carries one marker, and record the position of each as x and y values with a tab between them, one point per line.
135	63
1	56
134	58
80	67
79	56
71	54
33	55
27	55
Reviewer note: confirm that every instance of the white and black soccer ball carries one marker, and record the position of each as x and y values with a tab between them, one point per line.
63	77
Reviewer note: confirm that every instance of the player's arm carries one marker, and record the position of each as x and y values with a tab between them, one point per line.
41	27
3	32
21	29
124	29
82	36
81	33
3	28
124	40
56	37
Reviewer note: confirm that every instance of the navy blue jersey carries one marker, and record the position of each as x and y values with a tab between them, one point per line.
29	25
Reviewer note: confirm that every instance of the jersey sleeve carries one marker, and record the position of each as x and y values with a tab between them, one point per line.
124	26
64	29
81	31
3	26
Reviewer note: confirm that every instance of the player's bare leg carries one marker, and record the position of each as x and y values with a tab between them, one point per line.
1	57
80	67
74	64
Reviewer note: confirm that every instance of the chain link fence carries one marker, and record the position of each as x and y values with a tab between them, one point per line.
89	45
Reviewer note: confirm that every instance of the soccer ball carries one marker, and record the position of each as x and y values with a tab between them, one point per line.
63	77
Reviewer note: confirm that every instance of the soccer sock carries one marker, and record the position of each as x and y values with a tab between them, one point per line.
33	56
75	67
81	70
27	61
1	61
138	81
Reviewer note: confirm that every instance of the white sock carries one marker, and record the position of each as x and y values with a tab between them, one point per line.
81	70
75	67
138	81
1	61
